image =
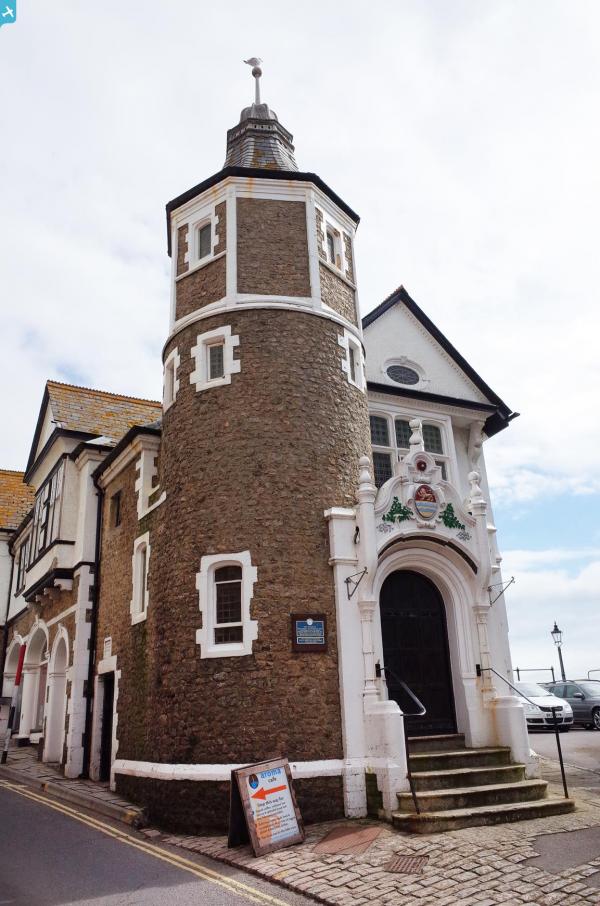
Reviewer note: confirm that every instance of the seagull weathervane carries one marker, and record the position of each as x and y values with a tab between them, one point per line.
255	62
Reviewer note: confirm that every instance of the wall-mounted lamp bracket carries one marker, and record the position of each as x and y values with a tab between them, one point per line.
503	586
354	582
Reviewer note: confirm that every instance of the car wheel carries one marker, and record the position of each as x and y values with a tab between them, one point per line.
596	718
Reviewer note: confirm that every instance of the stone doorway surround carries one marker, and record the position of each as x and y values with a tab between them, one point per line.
362	558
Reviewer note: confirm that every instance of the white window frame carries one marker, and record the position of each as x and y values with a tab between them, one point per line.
349	341
441	459
389	450
200	376
398	453
170	379
197	228
205	583
330	225
139	591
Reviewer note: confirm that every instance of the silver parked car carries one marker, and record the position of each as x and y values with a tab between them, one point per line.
584	698
536	715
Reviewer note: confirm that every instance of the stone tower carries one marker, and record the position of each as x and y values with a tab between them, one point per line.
265	420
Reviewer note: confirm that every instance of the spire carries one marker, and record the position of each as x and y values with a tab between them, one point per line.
259	140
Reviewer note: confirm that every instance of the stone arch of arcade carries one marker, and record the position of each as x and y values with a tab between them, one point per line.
34	681
54	734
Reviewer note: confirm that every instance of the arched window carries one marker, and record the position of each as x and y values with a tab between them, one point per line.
225	584
140	561
228	601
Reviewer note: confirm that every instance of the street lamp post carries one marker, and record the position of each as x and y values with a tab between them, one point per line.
557	638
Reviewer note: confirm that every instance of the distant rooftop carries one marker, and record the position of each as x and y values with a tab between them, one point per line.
98	412
16	499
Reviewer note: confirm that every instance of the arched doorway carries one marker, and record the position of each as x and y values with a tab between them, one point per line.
8	685
57	702
415	649
35	669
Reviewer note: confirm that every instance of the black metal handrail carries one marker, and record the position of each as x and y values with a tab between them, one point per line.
481	669
420	713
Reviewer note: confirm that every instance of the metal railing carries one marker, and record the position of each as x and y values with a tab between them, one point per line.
520	670
481	669
596	670
421	712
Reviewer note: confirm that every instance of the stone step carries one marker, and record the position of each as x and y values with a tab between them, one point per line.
461	777
459	758
455	819
445	743
470	797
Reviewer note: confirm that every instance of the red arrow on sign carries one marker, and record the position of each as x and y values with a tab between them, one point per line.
262	793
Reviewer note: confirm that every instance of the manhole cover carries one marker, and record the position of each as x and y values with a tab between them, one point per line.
407	865
344	840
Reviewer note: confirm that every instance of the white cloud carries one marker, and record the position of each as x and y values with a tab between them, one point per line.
545	591
465	134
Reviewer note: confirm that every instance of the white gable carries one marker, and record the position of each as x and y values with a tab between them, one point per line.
398	338
48	427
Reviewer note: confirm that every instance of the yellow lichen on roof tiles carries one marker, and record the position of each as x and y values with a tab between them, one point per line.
16	498
99	412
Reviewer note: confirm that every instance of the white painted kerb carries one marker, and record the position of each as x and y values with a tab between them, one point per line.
215	772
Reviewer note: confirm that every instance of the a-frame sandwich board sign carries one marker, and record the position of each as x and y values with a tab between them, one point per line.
263	808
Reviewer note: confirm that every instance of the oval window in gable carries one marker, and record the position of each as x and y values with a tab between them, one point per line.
402	375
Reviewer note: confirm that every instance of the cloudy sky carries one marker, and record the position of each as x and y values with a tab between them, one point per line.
465	133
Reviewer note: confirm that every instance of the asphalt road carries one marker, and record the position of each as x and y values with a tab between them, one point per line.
49	858
581	748
581	755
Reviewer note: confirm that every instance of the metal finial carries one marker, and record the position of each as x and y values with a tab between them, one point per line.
255	62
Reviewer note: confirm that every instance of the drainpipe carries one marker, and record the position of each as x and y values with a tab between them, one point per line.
89	700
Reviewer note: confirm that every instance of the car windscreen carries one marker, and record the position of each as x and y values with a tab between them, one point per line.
532	690
590	689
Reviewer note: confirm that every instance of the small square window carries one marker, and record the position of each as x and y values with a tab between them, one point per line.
204	240
403	433
115	509
382	467
379	431
216	364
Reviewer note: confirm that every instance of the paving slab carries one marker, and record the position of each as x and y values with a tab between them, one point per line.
23	767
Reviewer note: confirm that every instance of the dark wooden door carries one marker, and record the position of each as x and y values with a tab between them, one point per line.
108	683
415	648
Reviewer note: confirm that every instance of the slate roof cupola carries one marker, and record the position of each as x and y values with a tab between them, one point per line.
259	141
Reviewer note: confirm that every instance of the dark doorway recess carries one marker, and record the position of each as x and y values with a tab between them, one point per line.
108	687
415	647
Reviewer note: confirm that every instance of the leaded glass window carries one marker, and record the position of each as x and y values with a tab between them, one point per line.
380	436
331	247
403	433
228	616
382	467
204	234
216	366
432	438
352	362
402	375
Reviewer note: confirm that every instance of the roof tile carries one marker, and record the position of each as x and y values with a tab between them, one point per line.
16	499
97	411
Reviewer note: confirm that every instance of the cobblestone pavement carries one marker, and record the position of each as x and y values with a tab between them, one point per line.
23	761
483	866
